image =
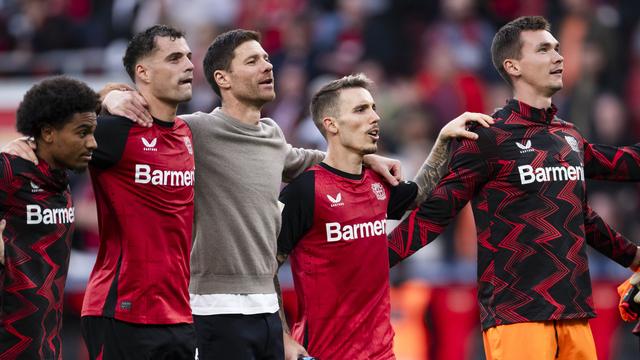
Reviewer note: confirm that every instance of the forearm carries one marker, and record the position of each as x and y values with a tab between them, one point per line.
283	317
432	170
281	258
608	241
606	162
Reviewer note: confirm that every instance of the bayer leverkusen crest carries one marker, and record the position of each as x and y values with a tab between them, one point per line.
573	143
378	189
187	143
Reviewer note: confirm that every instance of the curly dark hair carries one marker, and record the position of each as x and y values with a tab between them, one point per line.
143	44
53	102
221	52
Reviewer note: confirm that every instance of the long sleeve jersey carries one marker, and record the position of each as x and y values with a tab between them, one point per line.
36	203
525	177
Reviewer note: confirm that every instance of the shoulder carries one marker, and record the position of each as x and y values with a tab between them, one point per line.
566	124
302	184
16	163
270	124
195	117
11	166
115	120
182	126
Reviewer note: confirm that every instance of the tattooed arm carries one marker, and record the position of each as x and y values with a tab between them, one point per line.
432	170
435	166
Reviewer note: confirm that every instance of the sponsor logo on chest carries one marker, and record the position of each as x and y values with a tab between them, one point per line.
37	215
525	147
336	231
144	174
529	175
149	145
35	188
335	201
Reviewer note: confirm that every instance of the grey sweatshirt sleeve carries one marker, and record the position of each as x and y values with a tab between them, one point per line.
298	160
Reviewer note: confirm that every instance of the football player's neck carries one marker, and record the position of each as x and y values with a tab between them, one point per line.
158	108
344	159
244	111
43	152
531	96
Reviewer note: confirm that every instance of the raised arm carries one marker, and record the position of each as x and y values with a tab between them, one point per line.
608	241
126	103
434	167
606	162
469	169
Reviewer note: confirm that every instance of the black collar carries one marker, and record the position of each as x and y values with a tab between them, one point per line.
342	173
528	112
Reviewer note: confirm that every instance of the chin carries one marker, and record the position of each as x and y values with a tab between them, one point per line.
370	150
186	96
79	168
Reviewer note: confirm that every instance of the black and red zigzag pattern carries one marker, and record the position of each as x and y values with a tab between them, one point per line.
532	231
36	260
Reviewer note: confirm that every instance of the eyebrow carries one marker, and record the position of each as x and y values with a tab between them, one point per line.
177	55
85	126
364	105
548	44
256	56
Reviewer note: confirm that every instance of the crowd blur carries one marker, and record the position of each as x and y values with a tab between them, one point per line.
430	60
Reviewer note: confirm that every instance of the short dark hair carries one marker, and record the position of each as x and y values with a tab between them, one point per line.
325	100
144	43
53	102
220	52
507	43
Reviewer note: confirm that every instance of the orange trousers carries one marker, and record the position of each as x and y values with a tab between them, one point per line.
542	340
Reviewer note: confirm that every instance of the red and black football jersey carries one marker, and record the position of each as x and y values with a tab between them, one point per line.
334	228
143	182
525	176
36	203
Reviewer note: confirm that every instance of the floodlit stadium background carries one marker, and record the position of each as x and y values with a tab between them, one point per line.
430	60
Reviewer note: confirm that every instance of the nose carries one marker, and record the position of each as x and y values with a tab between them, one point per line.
189	65
268	66
559	58
91	144
376	117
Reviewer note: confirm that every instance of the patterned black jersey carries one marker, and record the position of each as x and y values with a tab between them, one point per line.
525	177
36	202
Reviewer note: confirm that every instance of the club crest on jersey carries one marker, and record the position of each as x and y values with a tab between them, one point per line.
335	201
187	143
573	143
378	190
150	145
524	148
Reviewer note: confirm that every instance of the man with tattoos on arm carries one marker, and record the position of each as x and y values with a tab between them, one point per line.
525	177
334	226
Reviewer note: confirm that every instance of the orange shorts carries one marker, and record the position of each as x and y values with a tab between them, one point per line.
542	340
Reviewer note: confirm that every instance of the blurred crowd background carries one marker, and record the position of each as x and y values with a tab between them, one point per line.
430	60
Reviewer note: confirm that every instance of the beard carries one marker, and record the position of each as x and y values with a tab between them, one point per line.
370	149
